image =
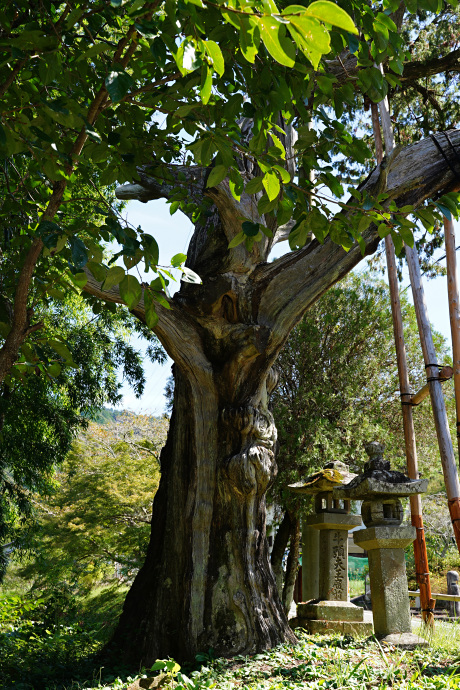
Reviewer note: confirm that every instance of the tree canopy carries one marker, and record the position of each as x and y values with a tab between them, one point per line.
94	522
92	91
59	384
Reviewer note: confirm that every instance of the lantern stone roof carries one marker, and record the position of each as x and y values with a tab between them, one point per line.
333	474
379	480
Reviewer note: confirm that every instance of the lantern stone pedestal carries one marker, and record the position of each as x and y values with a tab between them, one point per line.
384	539
331	611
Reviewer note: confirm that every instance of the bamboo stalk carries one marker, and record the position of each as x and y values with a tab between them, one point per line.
419	545
454	314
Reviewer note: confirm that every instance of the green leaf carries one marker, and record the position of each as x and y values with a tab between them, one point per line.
206	84
178	259
407	235
250	229
98	271
249	38
272	185
330	13
130	291
151	319
387	21
158	50
54	369
216	175
161	299
118	83
215	53
280	48
299	235
398	243
78	252
96	49
283	173
264	205
255	185
444	210
79	279
238	239
451	203
114	276
151	249
364	223
62	350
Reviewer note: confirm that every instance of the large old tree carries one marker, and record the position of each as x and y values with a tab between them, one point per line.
280	72
207	581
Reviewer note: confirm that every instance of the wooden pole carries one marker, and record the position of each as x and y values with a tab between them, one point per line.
446	449
454	313
445	374
420	553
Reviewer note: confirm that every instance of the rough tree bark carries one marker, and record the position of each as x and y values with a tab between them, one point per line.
292	564
280	544
207	580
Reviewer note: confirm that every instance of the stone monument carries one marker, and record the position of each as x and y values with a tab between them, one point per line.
453	588
331	611
384	538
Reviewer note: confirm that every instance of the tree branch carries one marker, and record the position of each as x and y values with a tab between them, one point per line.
346	68
290	285
180	336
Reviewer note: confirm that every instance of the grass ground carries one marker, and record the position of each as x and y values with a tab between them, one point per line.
35	655
315	663
331	662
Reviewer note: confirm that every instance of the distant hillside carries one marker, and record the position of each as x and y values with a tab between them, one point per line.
106	415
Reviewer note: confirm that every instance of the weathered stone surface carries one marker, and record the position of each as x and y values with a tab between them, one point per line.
333	552
404	640
383	511
150	683
453	588
390	603
333	565
334	473
385	537
353	628
310	562
337	521
370	487
330	611
379	481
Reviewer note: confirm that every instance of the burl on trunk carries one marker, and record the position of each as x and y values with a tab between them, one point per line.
207	580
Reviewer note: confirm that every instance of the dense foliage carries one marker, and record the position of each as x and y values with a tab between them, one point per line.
338	390
53	394
90	91
338	387
94	525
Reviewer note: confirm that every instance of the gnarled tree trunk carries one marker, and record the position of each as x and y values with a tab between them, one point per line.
207	581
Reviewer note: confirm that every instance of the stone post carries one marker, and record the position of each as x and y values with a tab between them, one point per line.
453	588
310	562
385	538
330	610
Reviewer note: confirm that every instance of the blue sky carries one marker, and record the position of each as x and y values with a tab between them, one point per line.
173	234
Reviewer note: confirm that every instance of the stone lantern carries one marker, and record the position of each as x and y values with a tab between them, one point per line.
331	611
384	538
